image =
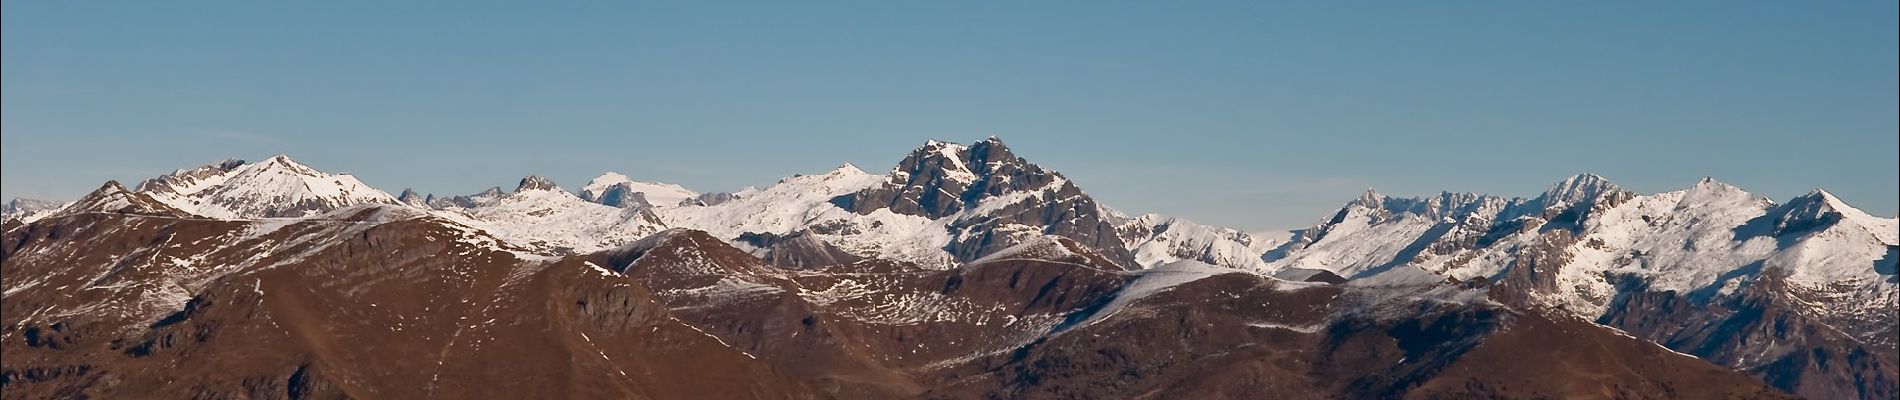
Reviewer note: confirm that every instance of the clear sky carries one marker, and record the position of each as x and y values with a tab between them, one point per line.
1257	115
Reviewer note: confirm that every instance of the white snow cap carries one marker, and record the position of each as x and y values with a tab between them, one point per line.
275	187
658	194
1580	187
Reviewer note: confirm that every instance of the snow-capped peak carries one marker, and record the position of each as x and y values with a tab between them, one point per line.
614	189
1707	189
535	182
1820	205
1578	188
284	161
1710	182
1835	203
602	182
1370	199
276	187
847	170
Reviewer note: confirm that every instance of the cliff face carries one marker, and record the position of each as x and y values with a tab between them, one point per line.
995	199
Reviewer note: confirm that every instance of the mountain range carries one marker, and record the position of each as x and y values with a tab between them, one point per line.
964	271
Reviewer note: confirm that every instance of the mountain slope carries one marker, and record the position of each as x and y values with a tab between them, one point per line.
364	302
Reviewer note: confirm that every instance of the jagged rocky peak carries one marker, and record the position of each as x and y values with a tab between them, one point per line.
942	178
996	198
1584	188
1822	200
1575	199
1820	209
535	182
1369	199
1370	204
411	197
1446	206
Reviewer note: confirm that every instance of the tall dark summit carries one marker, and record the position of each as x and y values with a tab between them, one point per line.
996	198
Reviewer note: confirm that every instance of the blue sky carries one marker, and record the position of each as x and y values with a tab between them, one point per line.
1252	114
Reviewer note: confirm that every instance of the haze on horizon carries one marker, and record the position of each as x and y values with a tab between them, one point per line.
1239	114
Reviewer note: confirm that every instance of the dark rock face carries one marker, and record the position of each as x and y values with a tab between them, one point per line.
619	195
411	197
1074	216
535	183
940	179
945	179
1327	277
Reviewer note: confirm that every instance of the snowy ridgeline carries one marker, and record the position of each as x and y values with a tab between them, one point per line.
1684	240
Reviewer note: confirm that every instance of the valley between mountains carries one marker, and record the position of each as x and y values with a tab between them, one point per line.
964	271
